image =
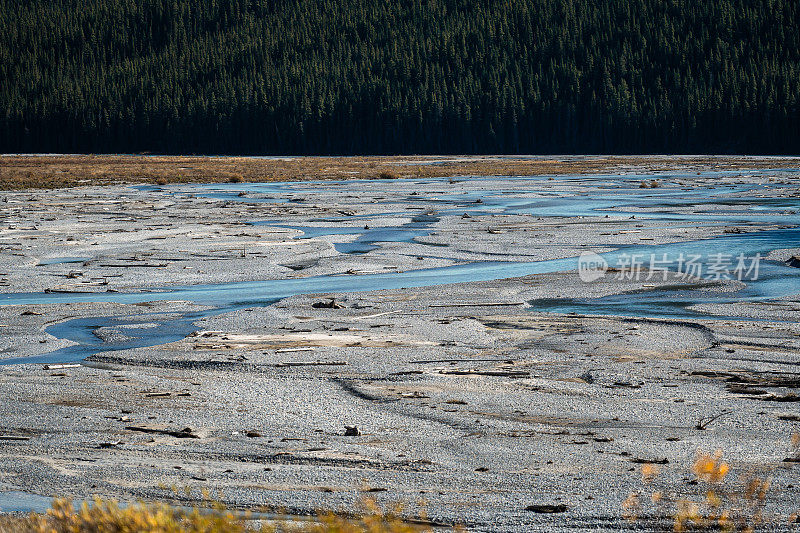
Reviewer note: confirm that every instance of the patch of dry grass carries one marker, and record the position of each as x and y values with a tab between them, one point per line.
107	516
42	172
719	505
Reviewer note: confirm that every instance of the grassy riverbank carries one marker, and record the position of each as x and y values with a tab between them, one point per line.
47	171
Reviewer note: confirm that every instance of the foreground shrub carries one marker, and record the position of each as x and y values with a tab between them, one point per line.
718	505
107	516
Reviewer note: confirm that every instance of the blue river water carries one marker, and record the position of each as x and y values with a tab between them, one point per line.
613	195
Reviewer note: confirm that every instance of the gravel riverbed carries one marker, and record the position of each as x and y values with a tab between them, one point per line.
471	405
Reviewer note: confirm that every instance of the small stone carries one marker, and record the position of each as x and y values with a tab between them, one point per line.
330	304
547	509
351	431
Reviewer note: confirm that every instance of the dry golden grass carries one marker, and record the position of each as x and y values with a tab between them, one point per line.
106	516
24	172
719	505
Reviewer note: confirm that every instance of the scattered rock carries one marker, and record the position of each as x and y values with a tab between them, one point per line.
547	509
626	385
253	434
330	304
640	461
352	431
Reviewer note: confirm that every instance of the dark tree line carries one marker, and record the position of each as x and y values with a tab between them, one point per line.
382	76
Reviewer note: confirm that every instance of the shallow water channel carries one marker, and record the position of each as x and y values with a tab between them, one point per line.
621	197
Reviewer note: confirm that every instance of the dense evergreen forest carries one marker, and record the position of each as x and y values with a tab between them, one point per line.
381	76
